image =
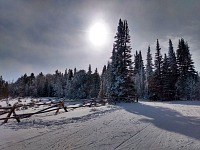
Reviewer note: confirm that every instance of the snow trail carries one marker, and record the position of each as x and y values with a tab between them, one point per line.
143	125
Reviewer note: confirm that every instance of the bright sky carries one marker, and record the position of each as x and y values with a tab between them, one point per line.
42	36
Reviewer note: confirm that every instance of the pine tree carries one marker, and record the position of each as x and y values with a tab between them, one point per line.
136	63
186	70
89	82
70	74
156	82
166	95
102	92
95	84
139	74
149	65
129	87
3	88
31	85
108	81
115	63
79	85
158	60
122	85
74	71
173	71
40	84
149	73
57	86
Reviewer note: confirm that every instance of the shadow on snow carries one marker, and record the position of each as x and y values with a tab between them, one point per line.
166	118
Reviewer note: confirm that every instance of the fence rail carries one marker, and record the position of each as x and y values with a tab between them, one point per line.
53	106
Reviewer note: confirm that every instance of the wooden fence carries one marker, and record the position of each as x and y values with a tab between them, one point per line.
53	106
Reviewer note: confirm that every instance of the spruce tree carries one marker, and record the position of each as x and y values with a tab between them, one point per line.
158	60
57	85
79	85
157	76
149	73
149	65
122	85
166	95
186	70
109	80
3	88
95	84
89	81
173	71
139	74
136	63
102	92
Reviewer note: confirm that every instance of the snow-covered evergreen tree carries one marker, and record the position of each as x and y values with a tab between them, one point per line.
108	81
95	88
79	85
149	65
139	74
186	70
57	86
69	91
102	92
89	82
122	85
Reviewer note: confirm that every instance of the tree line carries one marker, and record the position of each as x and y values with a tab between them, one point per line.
72	84
171	76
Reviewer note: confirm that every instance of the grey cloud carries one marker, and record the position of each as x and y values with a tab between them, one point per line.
48	35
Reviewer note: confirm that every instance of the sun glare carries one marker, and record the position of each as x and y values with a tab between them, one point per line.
98	34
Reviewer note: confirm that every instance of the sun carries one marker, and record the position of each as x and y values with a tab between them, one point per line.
98	34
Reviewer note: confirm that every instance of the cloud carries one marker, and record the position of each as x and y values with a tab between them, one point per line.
42	36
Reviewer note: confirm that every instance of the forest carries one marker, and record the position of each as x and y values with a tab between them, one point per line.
170	76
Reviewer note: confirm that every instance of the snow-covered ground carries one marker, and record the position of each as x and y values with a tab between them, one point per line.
144	125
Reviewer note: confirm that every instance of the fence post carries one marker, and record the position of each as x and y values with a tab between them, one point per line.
17	117
57	109
63	105
9	114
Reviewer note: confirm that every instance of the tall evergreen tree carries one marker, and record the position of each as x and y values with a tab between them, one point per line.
157	76
89	82
149	65
186	70
95	84
136	63
158	60
78	89
57	85
102	92
173	71
166	94
122	85
139	74
109	80
149	73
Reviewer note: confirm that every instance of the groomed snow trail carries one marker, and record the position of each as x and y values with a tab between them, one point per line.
141	126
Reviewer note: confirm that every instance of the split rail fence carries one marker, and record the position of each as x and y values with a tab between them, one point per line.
53	106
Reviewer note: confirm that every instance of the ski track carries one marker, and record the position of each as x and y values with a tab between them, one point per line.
130	127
